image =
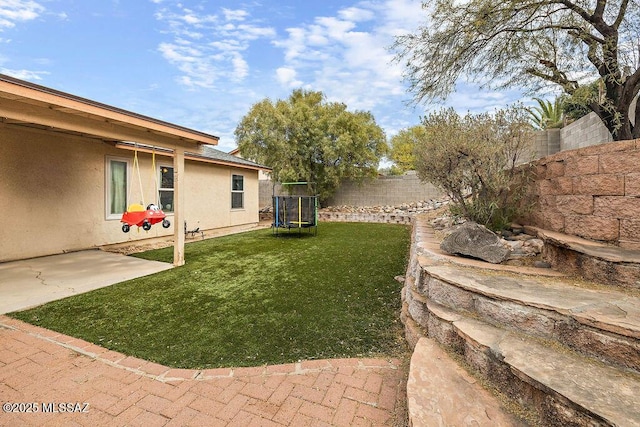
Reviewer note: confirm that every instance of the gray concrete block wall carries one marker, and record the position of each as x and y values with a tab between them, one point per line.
547	142
383	191
584	132
267	191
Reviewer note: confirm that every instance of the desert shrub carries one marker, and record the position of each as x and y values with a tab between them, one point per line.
475	158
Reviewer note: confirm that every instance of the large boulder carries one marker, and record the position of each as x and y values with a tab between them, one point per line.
475	240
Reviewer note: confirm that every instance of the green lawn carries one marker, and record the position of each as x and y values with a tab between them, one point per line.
251	299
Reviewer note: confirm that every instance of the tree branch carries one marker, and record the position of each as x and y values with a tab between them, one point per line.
575	8
621	13
599	12
556	76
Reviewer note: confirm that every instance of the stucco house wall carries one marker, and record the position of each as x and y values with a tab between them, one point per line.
208	198
53	187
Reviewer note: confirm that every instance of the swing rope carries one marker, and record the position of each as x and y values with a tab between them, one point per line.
140	215
155	176
136	170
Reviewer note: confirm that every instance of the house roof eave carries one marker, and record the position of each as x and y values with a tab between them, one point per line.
35	98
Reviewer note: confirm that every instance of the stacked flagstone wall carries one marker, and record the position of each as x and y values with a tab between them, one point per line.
592	192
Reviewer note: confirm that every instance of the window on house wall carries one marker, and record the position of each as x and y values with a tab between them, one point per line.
117	186
166	189
237	191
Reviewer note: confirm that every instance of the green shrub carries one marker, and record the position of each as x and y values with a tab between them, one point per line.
475	158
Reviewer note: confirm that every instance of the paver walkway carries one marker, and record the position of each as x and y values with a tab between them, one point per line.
47	371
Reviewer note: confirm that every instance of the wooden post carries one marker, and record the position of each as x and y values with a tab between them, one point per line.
178	210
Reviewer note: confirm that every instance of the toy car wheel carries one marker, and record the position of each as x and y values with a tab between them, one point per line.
146	226
166	223
126	228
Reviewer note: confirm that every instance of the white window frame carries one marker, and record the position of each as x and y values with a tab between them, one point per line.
160	188
237	192
107	192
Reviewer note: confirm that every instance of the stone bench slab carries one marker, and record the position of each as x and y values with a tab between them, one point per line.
587	247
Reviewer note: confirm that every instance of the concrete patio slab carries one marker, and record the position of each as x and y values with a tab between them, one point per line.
31	282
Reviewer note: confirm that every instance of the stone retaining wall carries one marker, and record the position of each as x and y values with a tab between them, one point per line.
592	192
391	218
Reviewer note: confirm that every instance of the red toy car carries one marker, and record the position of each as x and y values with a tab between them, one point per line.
137	215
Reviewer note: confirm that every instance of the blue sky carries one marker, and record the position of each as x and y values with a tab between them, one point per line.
203	64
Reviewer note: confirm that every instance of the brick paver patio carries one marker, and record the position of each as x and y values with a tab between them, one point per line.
81	384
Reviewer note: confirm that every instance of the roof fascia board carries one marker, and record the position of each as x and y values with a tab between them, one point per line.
199	158
19	90
102	129
161	151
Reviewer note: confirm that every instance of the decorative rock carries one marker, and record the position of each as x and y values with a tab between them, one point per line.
514	237
514	245
476	241
506	233
517	228
536	244
522	248
404	208
541	264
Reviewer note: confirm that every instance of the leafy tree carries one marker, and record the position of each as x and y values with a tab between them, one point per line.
305	138
531	44
547	115
576	105
474	160
403	146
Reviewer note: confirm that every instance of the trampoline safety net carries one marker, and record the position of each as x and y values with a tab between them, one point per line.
295	212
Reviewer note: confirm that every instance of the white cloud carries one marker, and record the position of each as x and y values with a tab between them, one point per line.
235	15
207	48
347	56
287	77
251	32
14	11
24	74
356	14
240	67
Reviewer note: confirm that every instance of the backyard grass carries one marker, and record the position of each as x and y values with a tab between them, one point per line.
251	299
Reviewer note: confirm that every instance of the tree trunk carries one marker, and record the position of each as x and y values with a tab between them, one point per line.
636	120
625	131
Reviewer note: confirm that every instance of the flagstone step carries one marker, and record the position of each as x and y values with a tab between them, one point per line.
441	393
601	323
563	387
604	263
559	345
